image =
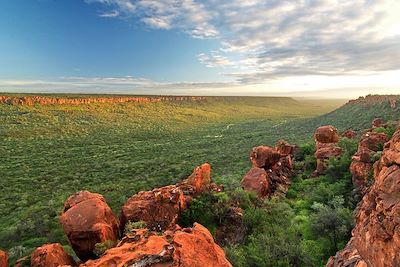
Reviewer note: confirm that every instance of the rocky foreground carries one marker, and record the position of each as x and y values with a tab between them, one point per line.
375	239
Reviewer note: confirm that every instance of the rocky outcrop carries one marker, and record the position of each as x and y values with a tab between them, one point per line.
46	100
256	181
88	220
161	207
176	247
362	161
375	239
377	122
349	134
271	171
326	139
51	255
3	259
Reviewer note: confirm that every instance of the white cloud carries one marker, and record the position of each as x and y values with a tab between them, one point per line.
111	14
263	40
214	60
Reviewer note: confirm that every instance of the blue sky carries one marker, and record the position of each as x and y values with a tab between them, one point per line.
325	48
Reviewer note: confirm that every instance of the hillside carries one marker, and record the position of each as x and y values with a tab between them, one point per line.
355	114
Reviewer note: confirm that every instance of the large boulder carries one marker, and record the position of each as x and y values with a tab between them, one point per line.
161	207
201	177
373	141
51	255
271	171
284	148
361	166
193	247
349	134
377	122
256	181
326	134
88	220
326	139
264	157
3	259
376	239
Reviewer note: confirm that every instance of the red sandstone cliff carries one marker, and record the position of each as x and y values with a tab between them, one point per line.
375	239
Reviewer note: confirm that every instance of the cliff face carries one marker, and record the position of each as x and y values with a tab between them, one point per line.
44	100
375	239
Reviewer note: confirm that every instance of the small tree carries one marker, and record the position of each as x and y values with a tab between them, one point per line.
333	221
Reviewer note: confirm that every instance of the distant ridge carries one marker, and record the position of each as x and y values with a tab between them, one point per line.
48	100
357	114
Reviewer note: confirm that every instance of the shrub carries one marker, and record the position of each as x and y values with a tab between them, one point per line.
130	226
101	248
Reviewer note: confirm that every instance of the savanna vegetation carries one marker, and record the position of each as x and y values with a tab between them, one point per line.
49	152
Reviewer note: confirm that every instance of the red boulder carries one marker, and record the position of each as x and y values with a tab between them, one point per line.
3	259
264	157
256	181
159	208
194	247
349	134
51	255
377	122
326	134
88	220
373	141
200	178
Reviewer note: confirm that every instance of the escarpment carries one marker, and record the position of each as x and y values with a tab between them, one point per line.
375	239
45	100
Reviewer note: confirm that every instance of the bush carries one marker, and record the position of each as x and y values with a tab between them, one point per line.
131	226
101	248
332	221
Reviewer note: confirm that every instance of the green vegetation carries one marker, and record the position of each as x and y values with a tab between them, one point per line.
304	229
49	152
131	226
100	248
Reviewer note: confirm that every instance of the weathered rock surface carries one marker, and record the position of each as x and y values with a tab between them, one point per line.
264	157
326	139
256	181
326	134
361	166
161	207
349	134
377	122
88	220
51	255
271	171
193	247
375	239
3	259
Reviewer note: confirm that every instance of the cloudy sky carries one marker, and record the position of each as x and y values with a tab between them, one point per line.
314	48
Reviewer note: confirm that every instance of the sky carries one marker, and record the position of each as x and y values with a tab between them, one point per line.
312	48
